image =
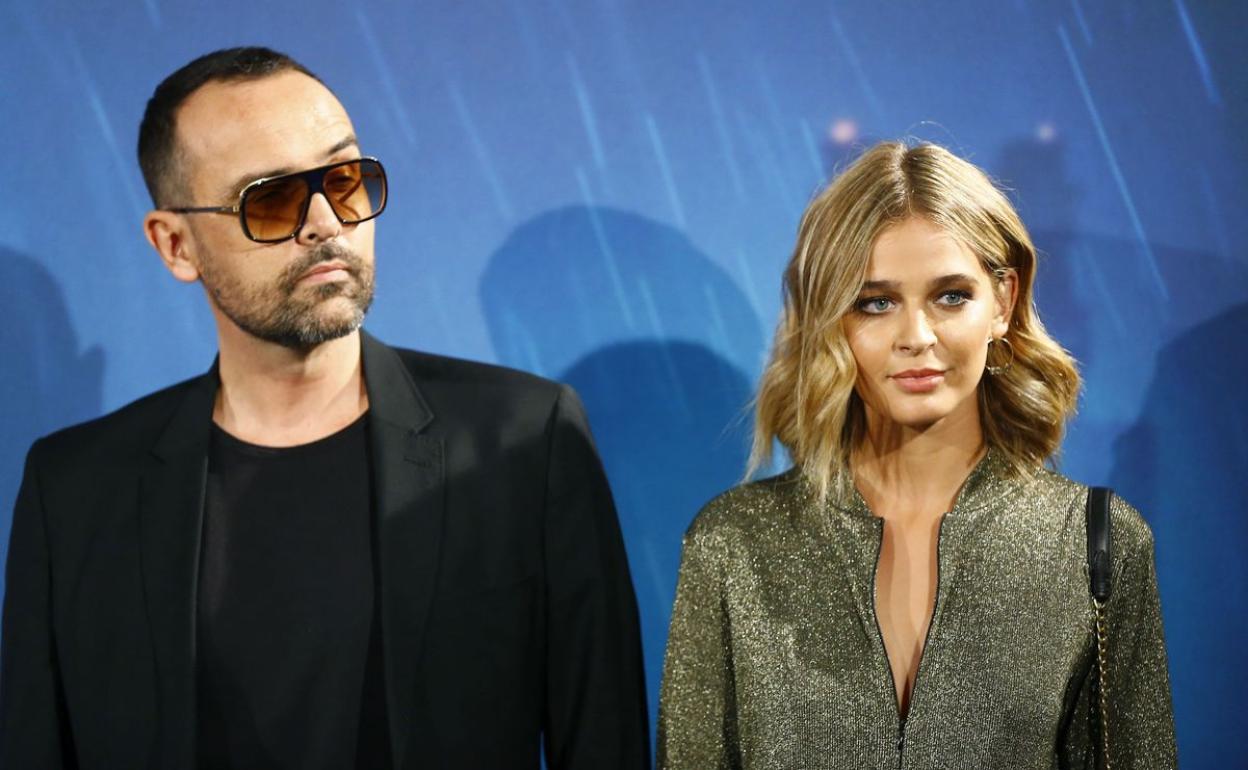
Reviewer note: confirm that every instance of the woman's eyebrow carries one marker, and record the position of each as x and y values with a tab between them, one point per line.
943	280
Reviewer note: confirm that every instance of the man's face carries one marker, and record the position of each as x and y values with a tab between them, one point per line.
300	292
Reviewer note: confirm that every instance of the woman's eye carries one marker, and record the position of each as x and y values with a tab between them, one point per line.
954	298
874	305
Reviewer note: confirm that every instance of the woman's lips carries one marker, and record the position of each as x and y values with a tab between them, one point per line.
919	380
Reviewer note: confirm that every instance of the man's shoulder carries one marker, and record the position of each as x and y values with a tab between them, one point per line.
133	427
445	375
494	404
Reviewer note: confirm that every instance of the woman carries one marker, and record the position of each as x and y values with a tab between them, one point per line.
914	592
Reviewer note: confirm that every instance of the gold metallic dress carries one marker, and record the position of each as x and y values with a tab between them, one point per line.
775	658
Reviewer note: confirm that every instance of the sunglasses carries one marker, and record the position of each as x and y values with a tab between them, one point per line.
274	209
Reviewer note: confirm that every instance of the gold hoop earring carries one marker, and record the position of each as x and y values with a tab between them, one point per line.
1002	369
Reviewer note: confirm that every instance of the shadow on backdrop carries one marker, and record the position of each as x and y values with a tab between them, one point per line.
1184	461
572	280
1111	302
655	337
46	382
1037	178
665	420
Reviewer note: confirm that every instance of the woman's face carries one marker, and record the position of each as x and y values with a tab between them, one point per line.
920	328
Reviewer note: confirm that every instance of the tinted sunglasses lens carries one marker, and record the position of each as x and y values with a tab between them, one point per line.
272	209
356	190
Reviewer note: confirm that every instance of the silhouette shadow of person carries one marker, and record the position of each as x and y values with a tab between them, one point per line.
655	337
46	382
1183	460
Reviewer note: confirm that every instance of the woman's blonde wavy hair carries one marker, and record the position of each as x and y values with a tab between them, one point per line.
807	400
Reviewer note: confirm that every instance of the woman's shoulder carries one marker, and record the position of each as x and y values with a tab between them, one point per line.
748	507
1130	531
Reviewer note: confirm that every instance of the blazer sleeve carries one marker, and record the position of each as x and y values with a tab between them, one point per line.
34	727
595	714
697	705
1139	710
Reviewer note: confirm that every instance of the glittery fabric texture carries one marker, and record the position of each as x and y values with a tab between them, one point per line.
775	660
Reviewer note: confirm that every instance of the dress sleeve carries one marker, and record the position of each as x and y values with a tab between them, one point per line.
697	704
34	728
1139	714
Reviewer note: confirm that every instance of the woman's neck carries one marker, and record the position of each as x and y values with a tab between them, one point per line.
908	473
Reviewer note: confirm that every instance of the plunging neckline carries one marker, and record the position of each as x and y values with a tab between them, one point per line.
904	631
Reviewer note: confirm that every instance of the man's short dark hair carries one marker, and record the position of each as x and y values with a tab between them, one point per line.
159	155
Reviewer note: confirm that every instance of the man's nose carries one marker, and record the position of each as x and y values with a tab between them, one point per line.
320	224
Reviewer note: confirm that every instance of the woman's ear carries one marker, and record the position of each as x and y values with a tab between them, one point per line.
1006	292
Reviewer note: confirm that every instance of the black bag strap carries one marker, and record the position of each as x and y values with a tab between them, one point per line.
1100	543
1100	572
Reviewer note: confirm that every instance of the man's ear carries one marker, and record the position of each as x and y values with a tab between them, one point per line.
170	237
1006	296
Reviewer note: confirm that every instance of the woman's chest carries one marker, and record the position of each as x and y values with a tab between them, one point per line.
1007	646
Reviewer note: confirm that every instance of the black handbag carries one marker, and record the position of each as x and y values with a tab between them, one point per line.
1100	573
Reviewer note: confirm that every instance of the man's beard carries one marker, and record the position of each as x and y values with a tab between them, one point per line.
283	313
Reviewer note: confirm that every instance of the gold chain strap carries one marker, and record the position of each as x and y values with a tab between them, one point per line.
1102	662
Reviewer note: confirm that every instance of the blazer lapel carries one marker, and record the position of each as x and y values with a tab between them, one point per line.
408	487
171	497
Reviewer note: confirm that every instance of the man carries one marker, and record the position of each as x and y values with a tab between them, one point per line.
325	552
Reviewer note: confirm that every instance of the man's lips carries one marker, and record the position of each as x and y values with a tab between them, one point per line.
326	271
918	380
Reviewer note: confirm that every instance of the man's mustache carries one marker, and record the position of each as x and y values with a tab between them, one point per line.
325	252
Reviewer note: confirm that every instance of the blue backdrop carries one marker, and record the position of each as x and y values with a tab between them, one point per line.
605	192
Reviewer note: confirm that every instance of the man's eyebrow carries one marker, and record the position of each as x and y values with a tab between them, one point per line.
245	179
347	141
943	280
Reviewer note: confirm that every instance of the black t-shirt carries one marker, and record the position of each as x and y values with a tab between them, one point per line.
289	646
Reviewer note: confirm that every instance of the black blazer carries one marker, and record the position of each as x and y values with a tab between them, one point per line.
508	617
